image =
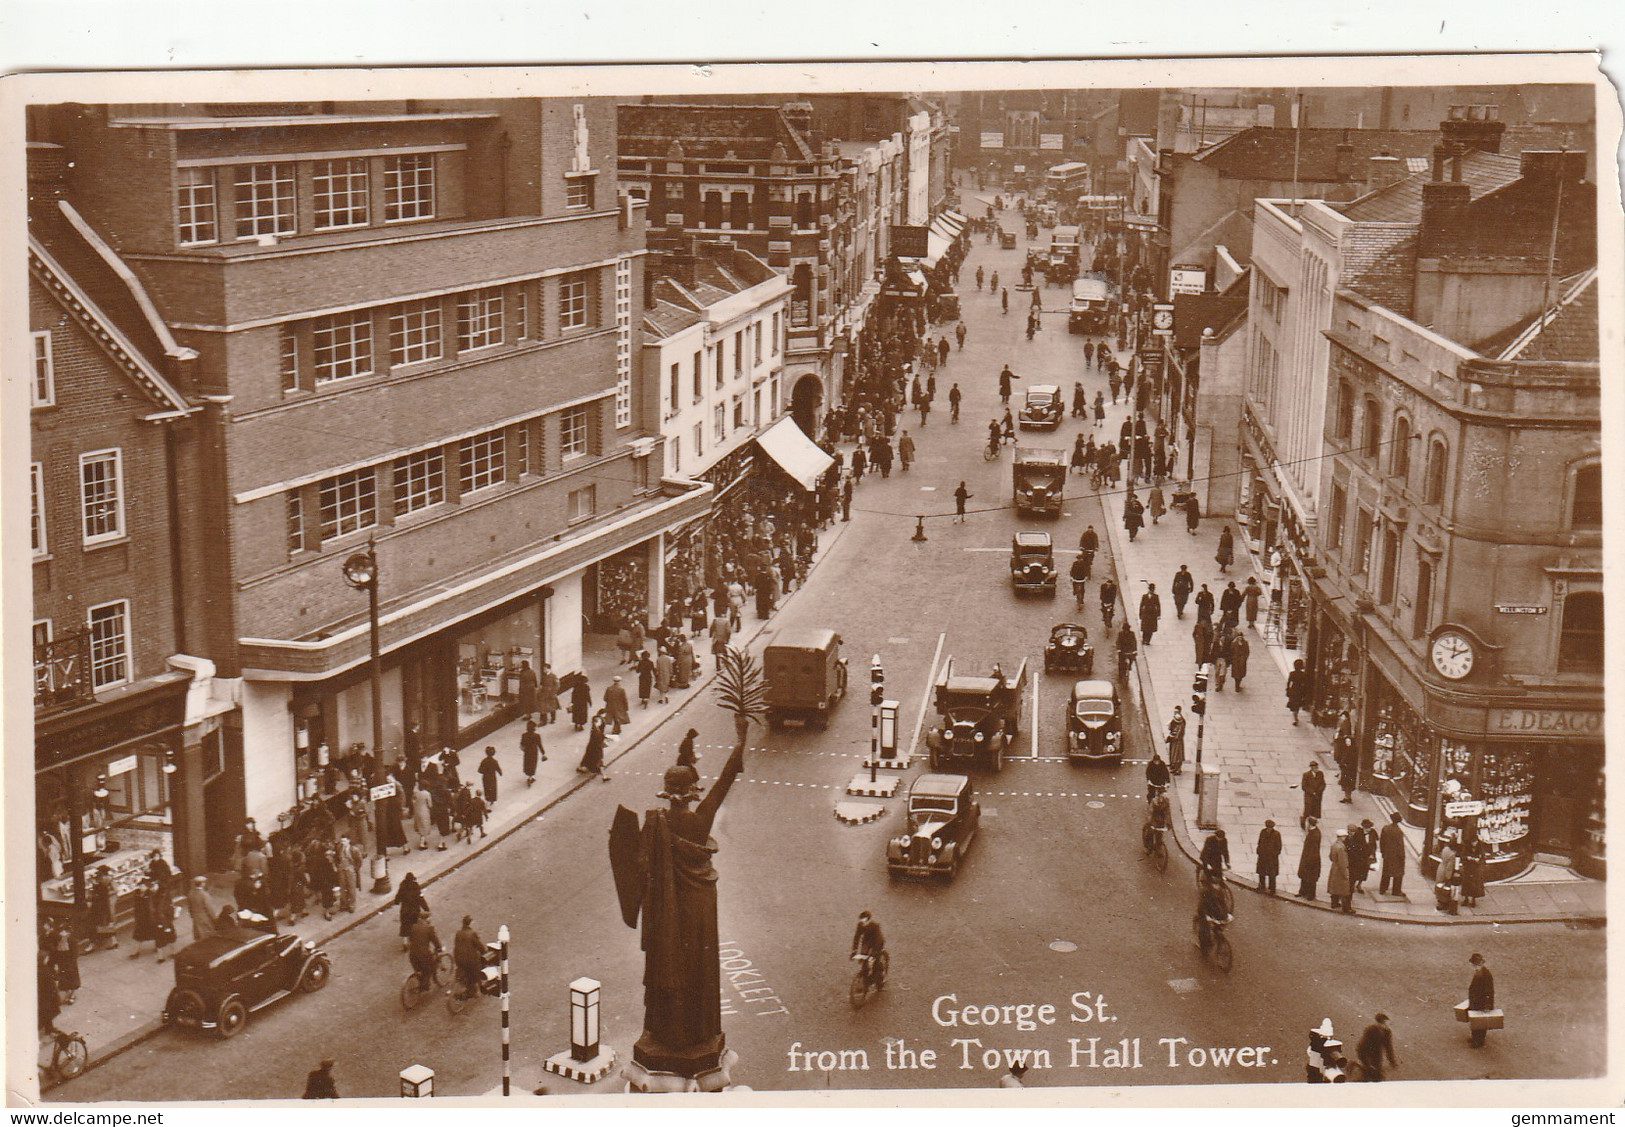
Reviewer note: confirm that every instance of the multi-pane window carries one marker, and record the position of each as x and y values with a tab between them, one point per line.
264	196
1389	572
36	508
1586	512
1343	426
777	318
573	303
480	461
1364	535
296	523
581	503
44	389
573	433
342	346
1424	598
739	411
420	481
101	495
195	206
1580	649
479	319
719	422
1337	517
109	644
414	332
1433	481
521	312
339	193
408	187
578	191
676	387
758	342
349	502
699	378
699	439
1371	430
721	357
288	358
1399	458
739	352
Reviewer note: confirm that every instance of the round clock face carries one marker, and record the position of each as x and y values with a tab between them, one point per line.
1162	319
1452	655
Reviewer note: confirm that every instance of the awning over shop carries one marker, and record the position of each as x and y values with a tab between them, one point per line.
938	246
911	274
795	453
946	228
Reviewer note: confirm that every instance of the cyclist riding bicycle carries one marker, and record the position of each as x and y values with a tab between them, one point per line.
467	953
1126	649
1080	577
1215	858
1157	776
869	943
1108	600
423	949
1210	910
995	435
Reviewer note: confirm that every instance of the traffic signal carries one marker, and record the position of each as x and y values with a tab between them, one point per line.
1199	690
877	682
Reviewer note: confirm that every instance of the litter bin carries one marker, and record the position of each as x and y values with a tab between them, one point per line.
1207	805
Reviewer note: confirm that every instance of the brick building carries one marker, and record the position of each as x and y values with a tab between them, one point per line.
415	328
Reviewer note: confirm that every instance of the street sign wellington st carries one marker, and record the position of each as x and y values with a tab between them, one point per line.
1470	809
383	791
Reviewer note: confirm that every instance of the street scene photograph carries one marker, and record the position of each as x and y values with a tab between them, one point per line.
944	579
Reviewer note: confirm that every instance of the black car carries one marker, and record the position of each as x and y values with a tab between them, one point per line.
1069	650
943	818
222	979
1032	562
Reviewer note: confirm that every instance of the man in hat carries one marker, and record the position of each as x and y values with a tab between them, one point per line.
1012	1079
200	909
1392	844
1376	1044
617	706
1480	994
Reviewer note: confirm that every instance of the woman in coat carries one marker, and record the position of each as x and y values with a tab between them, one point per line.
593	761
1297	689
1444	886
422	815
530	750
547	695
1157	504
324	878
580	700
145	931
163	920
1193	515
665	668
441	795
298	883
527	689
1338	886
490	770
65	956
646	678
1472	874
1309	861
409	898
1269	856
1226	554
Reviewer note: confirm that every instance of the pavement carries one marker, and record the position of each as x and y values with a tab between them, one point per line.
123	996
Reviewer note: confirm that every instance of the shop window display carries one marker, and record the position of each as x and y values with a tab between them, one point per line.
1506	785
489	660
1593	856
118	832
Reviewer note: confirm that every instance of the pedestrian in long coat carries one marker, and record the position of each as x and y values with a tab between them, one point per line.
490	771
646	678
527	689
1157	503
1314	790
1269	856
472	811
580	700
1297	689
1230	605
686	756
64	948
1240	649
665	666
1133	516
1249	597
1480	994
1472	874
688	664
1183	583
1226	554
422	816
1204	604
1309	862
1080	400
1338	886
592	762
1391	842
547	695
1193	514
445	819
1359	856
860	463
530	750
1202	636
349	880
201	909
1150	613
144	931
409	899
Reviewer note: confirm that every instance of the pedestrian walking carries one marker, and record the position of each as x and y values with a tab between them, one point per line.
530	751
64	953
1218	655
1202	639
1089	353
490	771
1150	613
905	444
1269	856
1157	503
473	812
527	690
616	706
580	700
961	495
1230	606
1240	650
860	463
980	278
1472	873
1133	515
200	908
547	695
1116	384
1375	1046
1226	554
698	615
144	931
1297	689
686	756
1183	583
1480	997
942	358
422	816
1176	741
646	678
1193	514
319	1083
959	333
1445	877
665	666
1100	409
1309	861
1080	402
1204	604
721	637
1004	300
1338	885
592	761
1347	767
846	498
1314	790
1249	597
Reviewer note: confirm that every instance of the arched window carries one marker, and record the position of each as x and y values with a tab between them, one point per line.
1344	423
1399	454
1371	430
1433	485
1580	649
1586	509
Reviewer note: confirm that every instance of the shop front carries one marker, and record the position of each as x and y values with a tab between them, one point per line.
107	785
1279	540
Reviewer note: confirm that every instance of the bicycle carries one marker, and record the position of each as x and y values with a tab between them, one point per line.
990	452
1154	840
1221	888
461	994
69	1054
1106	611
1218	946
868	978
414	991
1079	587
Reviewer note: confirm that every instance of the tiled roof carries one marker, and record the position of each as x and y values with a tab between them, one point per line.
663	318
1234	230
1194	312
1567	332
1265	153
1389	277
1401	201
749	132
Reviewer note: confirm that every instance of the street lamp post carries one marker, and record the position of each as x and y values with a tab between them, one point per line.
361	572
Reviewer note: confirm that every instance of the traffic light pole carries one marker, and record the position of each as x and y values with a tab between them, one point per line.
1199	706
877	693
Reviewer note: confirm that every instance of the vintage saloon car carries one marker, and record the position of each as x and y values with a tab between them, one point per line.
943	817
1043	408
1069	650
222	979
1094	722
978	717
1032	562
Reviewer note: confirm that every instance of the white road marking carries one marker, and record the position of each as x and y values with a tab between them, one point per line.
928	489
1036	684
925	698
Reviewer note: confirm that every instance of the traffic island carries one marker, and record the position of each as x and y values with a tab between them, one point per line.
881	786
858	813
582	1071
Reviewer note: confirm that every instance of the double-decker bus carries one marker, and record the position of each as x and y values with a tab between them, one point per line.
1064	183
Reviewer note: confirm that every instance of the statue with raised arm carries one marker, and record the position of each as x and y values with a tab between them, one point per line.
664	873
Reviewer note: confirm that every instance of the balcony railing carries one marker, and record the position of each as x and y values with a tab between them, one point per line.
62	672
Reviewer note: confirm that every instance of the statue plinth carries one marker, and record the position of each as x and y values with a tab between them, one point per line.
688	1061
641	1076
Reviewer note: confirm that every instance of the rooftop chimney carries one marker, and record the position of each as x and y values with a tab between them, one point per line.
1443	202
1533	164
1474	128
1383	170
800	117
47	170
1345	161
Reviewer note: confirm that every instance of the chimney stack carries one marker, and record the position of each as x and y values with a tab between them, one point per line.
1537	165
47	170
1345	161
1382	170
1443	202
1474	128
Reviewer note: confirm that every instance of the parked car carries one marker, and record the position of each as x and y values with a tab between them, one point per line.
1007	239
1094	722
222	979
805	675
1043	408
978	717
1032	562
942	820
1069	650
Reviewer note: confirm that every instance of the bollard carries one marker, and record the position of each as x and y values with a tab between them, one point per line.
417	1082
